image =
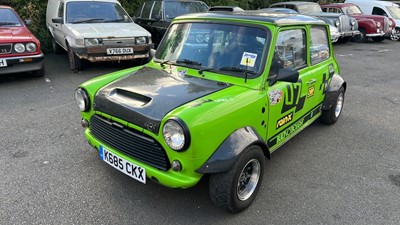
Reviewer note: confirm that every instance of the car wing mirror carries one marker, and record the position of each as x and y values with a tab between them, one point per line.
28	22
152	53
286	75
57	20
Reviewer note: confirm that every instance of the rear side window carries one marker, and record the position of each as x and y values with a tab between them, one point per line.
146	10
290	51
378	11
156	13
319	46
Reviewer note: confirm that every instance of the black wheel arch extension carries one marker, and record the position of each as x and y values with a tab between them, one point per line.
225	156
330	95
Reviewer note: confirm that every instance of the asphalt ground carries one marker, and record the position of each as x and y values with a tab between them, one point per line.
347	173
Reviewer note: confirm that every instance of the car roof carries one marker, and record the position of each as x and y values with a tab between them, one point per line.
384	3
90	1
273	18
294	3
338	4
5	7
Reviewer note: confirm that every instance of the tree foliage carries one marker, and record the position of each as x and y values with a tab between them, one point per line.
36	11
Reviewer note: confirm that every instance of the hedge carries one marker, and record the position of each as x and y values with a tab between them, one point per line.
36	11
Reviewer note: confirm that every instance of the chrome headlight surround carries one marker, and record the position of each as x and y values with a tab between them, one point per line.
378	24
89	42
337	23
31	47
19	48
176	134
353	22
390	23
141	40
82	100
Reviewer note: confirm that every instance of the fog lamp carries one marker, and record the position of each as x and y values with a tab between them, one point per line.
176	166
84	123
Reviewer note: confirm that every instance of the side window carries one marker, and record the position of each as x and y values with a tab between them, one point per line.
146	10
319	46
378	11
60	10
138	12
291	7
290	51
156	13
333	10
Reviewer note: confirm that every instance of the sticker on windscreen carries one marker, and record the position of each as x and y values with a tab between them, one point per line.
248	59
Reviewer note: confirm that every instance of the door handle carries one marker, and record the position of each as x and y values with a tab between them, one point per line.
311	81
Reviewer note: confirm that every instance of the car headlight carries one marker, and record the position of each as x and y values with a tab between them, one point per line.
92	42
176	134
378	24
337	23
82	99
20	48
31	47
353	22
141	40
390	23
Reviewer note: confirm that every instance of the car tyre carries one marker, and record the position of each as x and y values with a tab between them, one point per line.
344	39
75	63
396	35
362	37
38	73
236	189
331	115
378	39
56	47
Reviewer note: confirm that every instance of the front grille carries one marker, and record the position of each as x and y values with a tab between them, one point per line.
119	42
344	24
130	142
386	24
5	48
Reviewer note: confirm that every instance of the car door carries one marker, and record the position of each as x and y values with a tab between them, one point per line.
287	100
58	27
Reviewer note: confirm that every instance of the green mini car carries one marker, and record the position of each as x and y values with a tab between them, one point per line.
222	92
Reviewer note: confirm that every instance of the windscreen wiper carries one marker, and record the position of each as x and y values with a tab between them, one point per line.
188	61
88	20
8	23
113	21
237	69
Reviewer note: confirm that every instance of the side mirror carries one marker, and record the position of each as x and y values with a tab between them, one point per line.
28	22
152	53
286	75
57	20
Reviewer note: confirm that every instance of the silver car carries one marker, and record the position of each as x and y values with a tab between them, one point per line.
347	26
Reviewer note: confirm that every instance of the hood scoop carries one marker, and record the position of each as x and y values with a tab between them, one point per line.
144	97
124	96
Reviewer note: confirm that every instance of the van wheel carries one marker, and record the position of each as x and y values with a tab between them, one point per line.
38	73
56	47
75	62
236	189
362	37
331	115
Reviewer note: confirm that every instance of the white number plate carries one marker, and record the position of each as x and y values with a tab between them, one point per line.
119	51
136	172
3	62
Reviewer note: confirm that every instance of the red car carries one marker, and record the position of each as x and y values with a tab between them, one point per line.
370	26
19	48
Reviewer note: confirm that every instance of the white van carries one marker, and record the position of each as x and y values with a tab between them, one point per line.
95	30
383	8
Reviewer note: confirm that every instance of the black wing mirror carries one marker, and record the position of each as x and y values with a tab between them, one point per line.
57	20
28	22
286	75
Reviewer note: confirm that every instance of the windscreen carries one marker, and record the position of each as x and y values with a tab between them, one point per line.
226	48
8	18
96	12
